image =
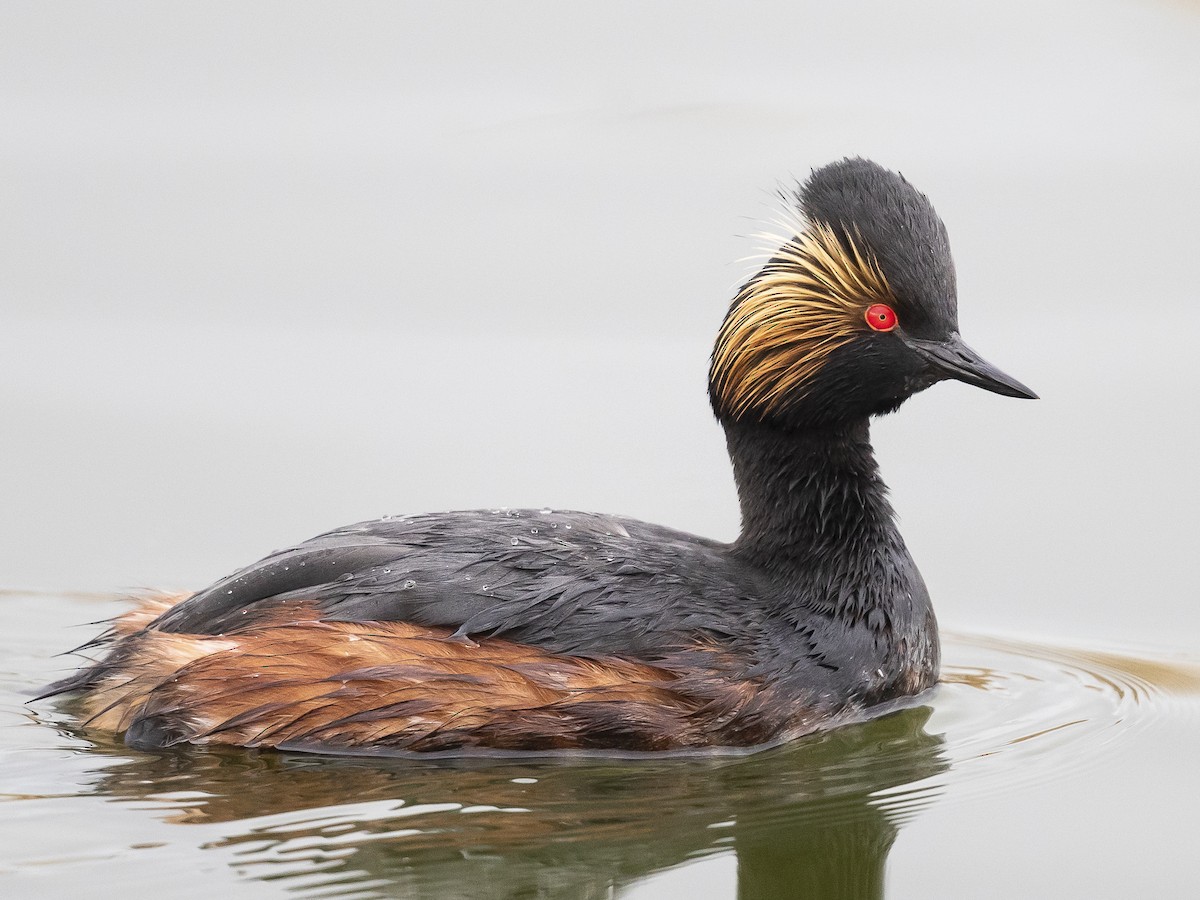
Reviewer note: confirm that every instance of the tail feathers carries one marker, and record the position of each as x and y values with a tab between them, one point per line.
300	682
148	608
79	681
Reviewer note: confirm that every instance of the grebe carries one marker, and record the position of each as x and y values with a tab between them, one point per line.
541	630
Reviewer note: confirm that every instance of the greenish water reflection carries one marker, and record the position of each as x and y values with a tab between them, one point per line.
816	818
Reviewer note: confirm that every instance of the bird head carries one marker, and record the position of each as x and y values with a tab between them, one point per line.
853	314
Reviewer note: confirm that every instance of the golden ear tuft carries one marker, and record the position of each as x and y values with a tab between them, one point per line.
807	301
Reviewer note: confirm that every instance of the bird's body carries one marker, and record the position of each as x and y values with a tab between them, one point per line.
548	630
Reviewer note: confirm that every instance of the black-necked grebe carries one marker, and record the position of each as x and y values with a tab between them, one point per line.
544	630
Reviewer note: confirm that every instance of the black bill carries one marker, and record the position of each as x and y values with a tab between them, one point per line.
954	359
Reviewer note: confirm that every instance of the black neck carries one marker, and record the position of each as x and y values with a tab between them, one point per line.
810	497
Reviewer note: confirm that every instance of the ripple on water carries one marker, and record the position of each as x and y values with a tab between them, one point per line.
1016	711
1007	713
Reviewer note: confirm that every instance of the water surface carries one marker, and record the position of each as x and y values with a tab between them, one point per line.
818	817
275	268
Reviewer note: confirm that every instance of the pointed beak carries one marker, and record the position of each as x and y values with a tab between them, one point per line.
954	359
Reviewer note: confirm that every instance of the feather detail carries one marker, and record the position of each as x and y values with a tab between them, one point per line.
806	302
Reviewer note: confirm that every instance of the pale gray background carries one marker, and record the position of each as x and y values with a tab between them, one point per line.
270	268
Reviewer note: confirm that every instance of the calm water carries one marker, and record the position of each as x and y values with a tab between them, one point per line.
292	267
820	817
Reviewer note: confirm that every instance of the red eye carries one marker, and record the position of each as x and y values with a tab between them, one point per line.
881	317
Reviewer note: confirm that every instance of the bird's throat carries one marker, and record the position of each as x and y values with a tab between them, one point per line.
809	497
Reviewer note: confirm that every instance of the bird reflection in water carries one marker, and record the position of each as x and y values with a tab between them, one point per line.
815	818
